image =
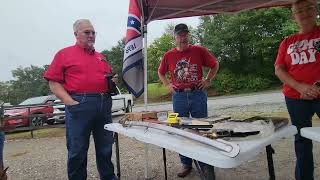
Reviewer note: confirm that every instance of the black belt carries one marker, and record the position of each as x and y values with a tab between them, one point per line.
186	89
90	94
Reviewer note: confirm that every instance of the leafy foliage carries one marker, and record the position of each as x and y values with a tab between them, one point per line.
228	82
115	59
28	83
246	44
4	91
155	52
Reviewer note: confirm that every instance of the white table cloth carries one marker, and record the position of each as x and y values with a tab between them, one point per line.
312	133
249	149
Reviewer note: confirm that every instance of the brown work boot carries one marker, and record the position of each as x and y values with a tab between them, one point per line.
184	171
3	173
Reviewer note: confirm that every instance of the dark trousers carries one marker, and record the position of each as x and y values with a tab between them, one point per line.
192	103
89	116
301	112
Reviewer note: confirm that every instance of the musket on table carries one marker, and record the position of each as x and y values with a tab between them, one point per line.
230	149
209	134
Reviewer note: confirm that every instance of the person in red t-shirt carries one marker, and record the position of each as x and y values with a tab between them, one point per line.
298	67
77	75
185	63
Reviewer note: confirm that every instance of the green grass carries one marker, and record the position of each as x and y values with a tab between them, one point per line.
41	133
156	89
156	93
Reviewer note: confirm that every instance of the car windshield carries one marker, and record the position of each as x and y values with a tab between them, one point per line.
34	100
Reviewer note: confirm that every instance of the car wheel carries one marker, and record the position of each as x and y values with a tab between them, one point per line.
50	122
37	121
129	107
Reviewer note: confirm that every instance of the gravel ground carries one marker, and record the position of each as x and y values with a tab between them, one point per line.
45	158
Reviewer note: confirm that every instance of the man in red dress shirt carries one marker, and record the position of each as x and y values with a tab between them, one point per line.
77	75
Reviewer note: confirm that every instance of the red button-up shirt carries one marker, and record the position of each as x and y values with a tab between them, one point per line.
79	71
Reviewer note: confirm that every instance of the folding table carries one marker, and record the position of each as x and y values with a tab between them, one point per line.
249	149
312	133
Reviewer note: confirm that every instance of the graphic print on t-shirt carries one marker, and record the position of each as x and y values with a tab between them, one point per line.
304	51
185	71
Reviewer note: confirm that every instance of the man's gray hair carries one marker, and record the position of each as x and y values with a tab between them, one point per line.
77	23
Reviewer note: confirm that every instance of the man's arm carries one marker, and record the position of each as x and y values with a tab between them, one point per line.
58	90
166	82
211	74
307	91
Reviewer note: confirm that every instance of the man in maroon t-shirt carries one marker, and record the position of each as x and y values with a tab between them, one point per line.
298	67
184	63
77	76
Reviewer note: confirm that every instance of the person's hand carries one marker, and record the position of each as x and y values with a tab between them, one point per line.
115	78
171	87
203	84
71	102
317	88
307	91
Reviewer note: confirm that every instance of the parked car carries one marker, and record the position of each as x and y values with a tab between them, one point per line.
19	116
122	102
58	113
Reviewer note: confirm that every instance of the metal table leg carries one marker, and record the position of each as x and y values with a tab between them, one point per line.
202	177
270	151
116	140
165	163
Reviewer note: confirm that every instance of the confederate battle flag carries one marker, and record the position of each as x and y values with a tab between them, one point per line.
132	69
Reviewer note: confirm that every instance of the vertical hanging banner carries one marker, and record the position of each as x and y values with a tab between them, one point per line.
132	70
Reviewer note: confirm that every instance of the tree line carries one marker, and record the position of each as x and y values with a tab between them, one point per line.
245	44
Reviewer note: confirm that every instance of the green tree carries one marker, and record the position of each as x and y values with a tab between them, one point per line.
156	51
5	91
247	43
29	82
115	58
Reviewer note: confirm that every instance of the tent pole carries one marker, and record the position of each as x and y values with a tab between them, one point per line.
145	66
147	170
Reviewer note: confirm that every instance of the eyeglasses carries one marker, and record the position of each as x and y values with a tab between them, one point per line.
304	9
182	34
87	33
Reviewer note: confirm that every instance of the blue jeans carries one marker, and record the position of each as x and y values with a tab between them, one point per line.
2	138
301	112
89	116
192	103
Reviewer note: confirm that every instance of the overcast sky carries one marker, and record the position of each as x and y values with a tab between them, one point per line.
33	31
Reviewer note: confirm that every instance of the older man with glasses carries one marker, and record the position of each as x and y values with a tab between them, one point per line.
77	75
298	67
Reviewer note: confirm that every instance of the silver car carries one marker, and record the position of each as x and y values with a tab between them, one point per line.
58	113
